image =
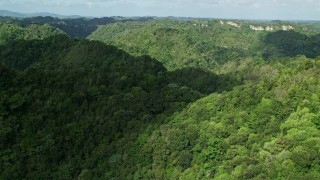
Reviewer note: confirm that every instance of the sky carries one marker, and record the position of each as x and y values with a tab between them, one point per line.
234	9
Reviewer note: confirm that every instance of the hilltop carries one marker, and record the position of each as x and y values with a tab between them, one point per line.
206	44
149	98
6	13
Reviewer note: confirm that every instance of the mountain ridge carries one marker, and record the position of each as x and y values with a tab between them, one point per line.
7	13
238	102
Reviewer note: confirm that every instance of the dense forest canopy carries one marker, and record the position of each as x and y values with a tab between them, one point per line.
159	99
11	32
77	28
207	44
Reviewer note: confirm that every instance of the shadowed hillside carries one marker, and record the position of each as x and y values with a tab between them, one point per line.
62	99
226	100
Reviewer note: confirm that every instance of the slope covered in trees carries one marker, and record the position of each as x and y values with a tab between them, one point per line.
74	27
207	44
81	109
10	32
290	43
265	130
63	99
179	44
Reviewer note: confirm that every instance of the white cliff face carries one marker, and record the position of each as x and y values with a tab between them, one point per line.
256	28
286	28
233	24
269	28
201	24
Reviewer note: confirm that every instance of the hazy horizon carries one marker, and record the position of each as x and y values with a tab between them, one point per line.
223	9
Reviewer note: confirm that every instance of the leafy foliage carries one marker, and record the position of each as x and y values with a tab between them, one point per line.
81	109
180	44
76	28
10	32
291	43
63	100
209	44
264	130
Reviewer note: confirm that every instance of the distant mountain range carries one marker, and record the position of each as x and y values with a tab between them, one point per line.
23	15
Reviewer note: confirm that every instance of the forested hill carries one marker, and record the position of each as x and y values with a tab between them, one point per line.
82	109
74	27
265	130
10	32
189	100
62	100
178	43
207	44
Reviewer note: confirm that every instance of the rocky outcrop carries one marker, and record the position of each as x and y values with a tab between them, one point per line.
257	28
233	24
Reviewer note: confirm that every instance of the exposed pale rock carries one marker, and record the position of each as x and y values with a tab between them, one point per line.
256	28
286	28
269	28
233	24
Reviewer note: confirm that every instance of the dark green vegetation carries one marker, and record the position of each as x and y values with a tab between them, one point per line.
234	103
208	44
76	28
291	43
58	90
10	32
264	130
179	43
